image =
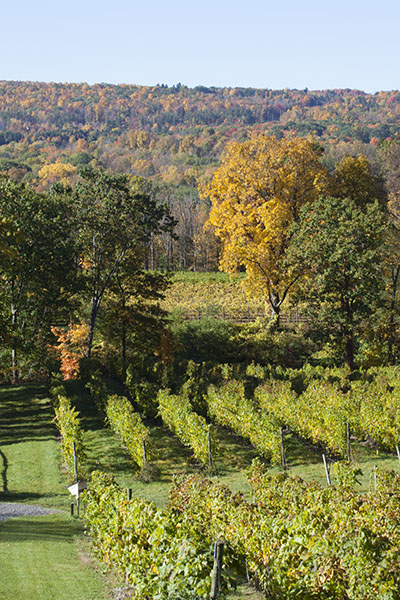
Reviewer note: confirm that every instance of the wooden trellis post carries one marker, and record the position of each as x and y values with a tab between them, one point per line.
216	574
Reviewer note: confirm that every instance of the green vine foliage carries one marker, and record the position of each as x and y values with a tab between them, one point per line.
371	406
142	392
191	428
379	414
68	423
301	540
321	413
128	425
228	405
155	551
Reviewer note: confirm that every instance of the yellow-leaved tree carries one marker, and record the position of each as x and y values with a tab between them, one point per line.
256	194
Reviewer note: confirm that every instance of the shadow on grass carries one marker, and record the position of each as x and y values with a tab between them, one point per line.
25	414
11	496
233	453
39	529
4	471
105	452
299	451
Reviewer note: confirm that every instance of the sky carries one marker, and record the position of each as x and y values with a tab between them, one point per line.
253	43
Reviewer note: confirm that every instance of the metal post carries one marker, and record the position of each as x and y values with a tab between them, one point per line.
283	455
328	478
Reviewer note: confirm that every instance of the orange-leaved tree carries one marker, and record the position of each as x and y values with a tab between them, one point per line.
256	194
71	347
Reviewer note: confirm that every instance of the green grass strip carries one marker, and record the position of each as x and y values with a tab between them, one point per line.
40	560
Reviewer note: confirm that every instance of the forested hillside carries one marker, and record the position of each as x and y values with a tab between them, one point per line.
174	138
175	133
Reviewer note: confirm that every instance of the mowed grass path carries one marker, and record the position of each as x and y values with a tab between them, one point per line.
41	558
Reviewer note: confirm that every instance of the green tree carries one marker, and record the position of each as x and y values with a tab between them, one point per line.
353	178
133	321
389	156
339	247
37	266
114	224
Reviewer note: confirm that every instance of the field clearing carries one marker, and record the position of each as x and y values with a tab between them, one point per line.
209	293
195	295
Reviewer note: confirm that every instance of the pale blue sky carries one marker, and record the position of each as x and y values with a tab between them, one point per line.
267	44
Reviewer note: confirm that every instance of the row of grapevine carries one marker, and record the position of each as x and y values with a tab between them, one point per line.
330	402
228	405
150	548
128	425
297	539
68	423
122	419
191	428
379	410
321	413
98	391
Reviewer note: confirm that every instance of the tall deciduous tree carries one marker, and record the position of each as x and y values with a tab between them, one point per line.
114	223
389	155
256	195
133	322
339	247
36	264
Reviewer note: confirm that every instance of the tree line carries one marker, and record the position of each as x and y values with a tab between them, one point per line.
328	239
69	252
93	255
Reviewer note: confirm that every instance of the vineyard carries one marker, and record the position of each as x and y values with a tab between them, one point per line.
194	296
290	529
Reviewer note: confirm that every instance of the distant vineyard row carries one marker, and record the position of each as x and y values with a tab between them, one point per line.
240	315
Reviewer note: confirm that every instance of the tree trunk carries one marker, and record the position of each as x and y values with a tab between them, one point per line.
123	333
395	281
275	303
350	350
276	314
348	329
93	316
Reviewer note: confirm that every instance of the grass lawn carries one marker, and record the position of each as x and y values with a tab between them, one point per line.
41	558
30	460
